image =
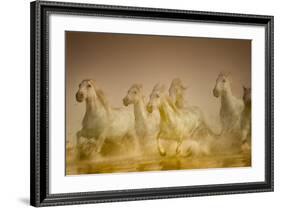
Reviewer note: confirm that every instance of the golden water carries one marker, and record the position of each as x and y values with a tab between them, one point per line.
116	162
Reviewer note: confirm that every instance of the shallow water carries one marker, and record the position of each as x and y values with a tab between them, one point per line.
116	162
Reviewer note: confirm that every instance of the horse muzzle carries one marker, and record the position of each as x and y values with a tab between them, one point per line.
216	93
79	97
126	101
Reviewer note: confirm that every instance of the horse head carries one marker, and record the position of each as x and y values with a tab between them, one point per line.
177	87
156	97
89	92
223	85
86	91
134	95
176	92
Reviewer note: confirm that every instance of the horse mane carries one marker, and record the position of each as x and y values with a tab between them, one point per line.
176	81
101	96
179	97
161	88
103	99
172	104
179	101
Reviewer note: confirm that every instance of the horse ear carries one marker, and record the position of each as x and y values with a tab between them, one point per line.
93	82
229	77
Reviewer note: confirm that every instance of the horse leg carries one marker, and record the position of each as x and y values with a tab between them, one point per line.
160	148
78	135
178	146
83	145
100	142
80	141
136	142
245	134
77	144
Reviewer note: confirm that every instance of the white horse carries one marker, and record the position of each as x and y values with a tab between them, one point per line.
246	119
231	107
147	125
176	92
101	121
230	112
177	125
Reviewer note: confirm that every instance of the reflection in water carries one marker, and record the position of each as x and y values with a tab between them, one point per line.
113	160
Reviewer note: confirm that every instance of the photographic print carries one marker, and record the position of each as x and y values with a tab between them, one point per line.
135	103
154	103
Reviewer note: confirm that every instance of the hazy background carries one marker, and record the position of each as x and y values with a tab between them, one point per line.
116	61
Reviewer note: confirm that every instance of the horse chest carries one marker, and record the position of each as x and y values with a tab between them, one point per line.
143	128
146	125
171	130
117	128
92	121
231	109
229	114
230	119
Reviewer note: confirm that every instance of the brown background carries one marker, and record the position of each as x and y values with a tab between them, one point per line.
116	61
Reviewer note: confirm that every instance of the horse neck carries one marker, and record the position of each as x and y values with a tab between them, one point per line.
94	107
248	107
228	100
166	111
180	102
140	111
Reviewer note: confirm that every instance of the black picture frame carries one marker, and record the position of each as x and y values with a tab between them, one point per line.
39	156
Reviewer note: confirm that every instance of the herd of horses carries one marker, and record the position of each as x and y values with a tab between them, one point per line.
166	116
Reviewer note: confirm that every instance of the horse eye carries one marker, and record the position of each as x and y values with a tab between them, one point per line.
135	92
223	80
88	86
157	95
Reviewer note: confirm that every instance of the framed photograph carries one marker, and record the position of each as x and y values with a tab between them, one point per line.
132	103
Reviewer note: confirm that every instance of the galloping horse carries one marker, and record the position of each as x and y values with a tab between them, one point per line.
147	125
230	112
176	92
101	121
231	107
175	124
